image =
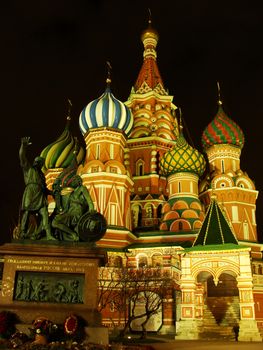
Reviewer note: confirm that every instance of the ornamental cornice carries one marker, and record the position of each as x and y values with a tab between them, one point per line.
215	266
224	259
223	151
135	97
103	133
149	141
183	175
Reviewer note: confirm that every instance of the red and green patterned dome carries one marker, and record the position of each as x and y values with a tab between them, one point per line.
182	158
222	130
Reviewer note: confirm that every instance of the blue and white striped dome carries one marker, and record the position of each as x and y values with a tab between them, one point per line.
106	111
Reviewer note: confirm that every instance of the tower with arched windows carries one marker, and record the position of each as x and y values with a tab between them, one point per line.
223	141
105	124
154	131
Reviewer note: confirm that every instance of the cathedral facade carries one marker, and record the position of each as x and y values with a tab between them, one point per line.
170	206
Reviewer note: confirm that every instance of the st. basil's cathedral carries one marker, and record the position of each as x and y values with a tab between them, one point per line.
169	205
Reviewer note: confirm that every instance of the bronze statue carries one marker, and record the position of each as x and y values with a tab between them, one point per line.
79	202
35	194
73	218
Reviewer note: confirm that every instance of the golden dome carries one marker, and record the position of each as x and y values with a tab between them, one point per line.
149	33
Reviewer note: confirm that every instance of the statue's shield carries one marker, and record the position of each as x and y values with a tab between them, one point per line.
91	227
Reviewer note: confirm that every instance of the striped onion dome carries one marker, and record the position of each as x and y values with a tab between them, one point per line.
182	158
106	111
63	151
222	130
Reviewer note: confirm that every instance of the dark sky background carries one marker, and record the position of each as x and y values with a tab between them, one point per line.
52	50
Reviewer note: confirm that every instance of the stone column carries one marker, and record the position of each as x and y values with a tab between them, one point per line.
188	325
153	160
199	297
127	159
168	326
248	330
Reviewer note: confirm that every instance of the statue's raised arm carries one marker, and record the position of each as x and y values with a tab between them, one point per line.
34	201
25	142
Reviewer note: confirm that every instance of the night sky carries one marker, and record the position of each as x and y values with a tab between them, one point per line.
52	50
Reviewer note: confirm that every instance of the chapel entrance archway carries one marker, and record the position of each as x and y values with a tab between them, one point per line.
221	296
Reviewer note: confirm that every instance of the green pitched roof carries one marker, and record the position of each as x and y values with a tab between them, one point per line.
215	229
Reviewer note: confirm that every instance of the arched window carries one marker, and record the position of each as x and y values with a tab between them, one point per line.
140	168
222	166
140	217
117	261
246	230
149	211
159	211
111	151
142	261
179	187
98	151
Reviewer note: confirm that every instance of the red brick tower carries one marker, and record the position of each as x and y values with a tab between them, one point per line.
154	132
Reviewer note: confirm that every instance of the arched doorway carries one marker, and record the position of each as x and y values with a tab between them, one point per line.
221	297
217	295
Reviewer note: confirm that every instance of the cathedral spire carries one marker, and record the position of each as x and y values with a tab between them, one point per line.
216	228
149	77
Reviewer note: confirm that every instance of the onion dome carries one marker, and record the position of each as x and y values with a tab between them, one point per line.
66	179
150	33
182	158
222	130
64	151
107	112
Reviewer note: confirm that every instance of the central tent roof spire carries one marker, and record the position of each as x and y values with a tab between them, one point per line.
149	77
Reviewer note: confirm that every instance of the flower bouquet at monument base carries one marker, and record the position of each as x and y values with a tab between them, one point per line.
74	328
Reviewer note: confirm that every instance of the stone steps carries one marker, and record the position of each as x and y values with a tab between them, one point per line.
224	309
210	329
216	332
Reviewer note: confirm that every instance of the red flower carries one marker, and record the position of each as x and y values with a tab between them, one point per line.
42	325
71	325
